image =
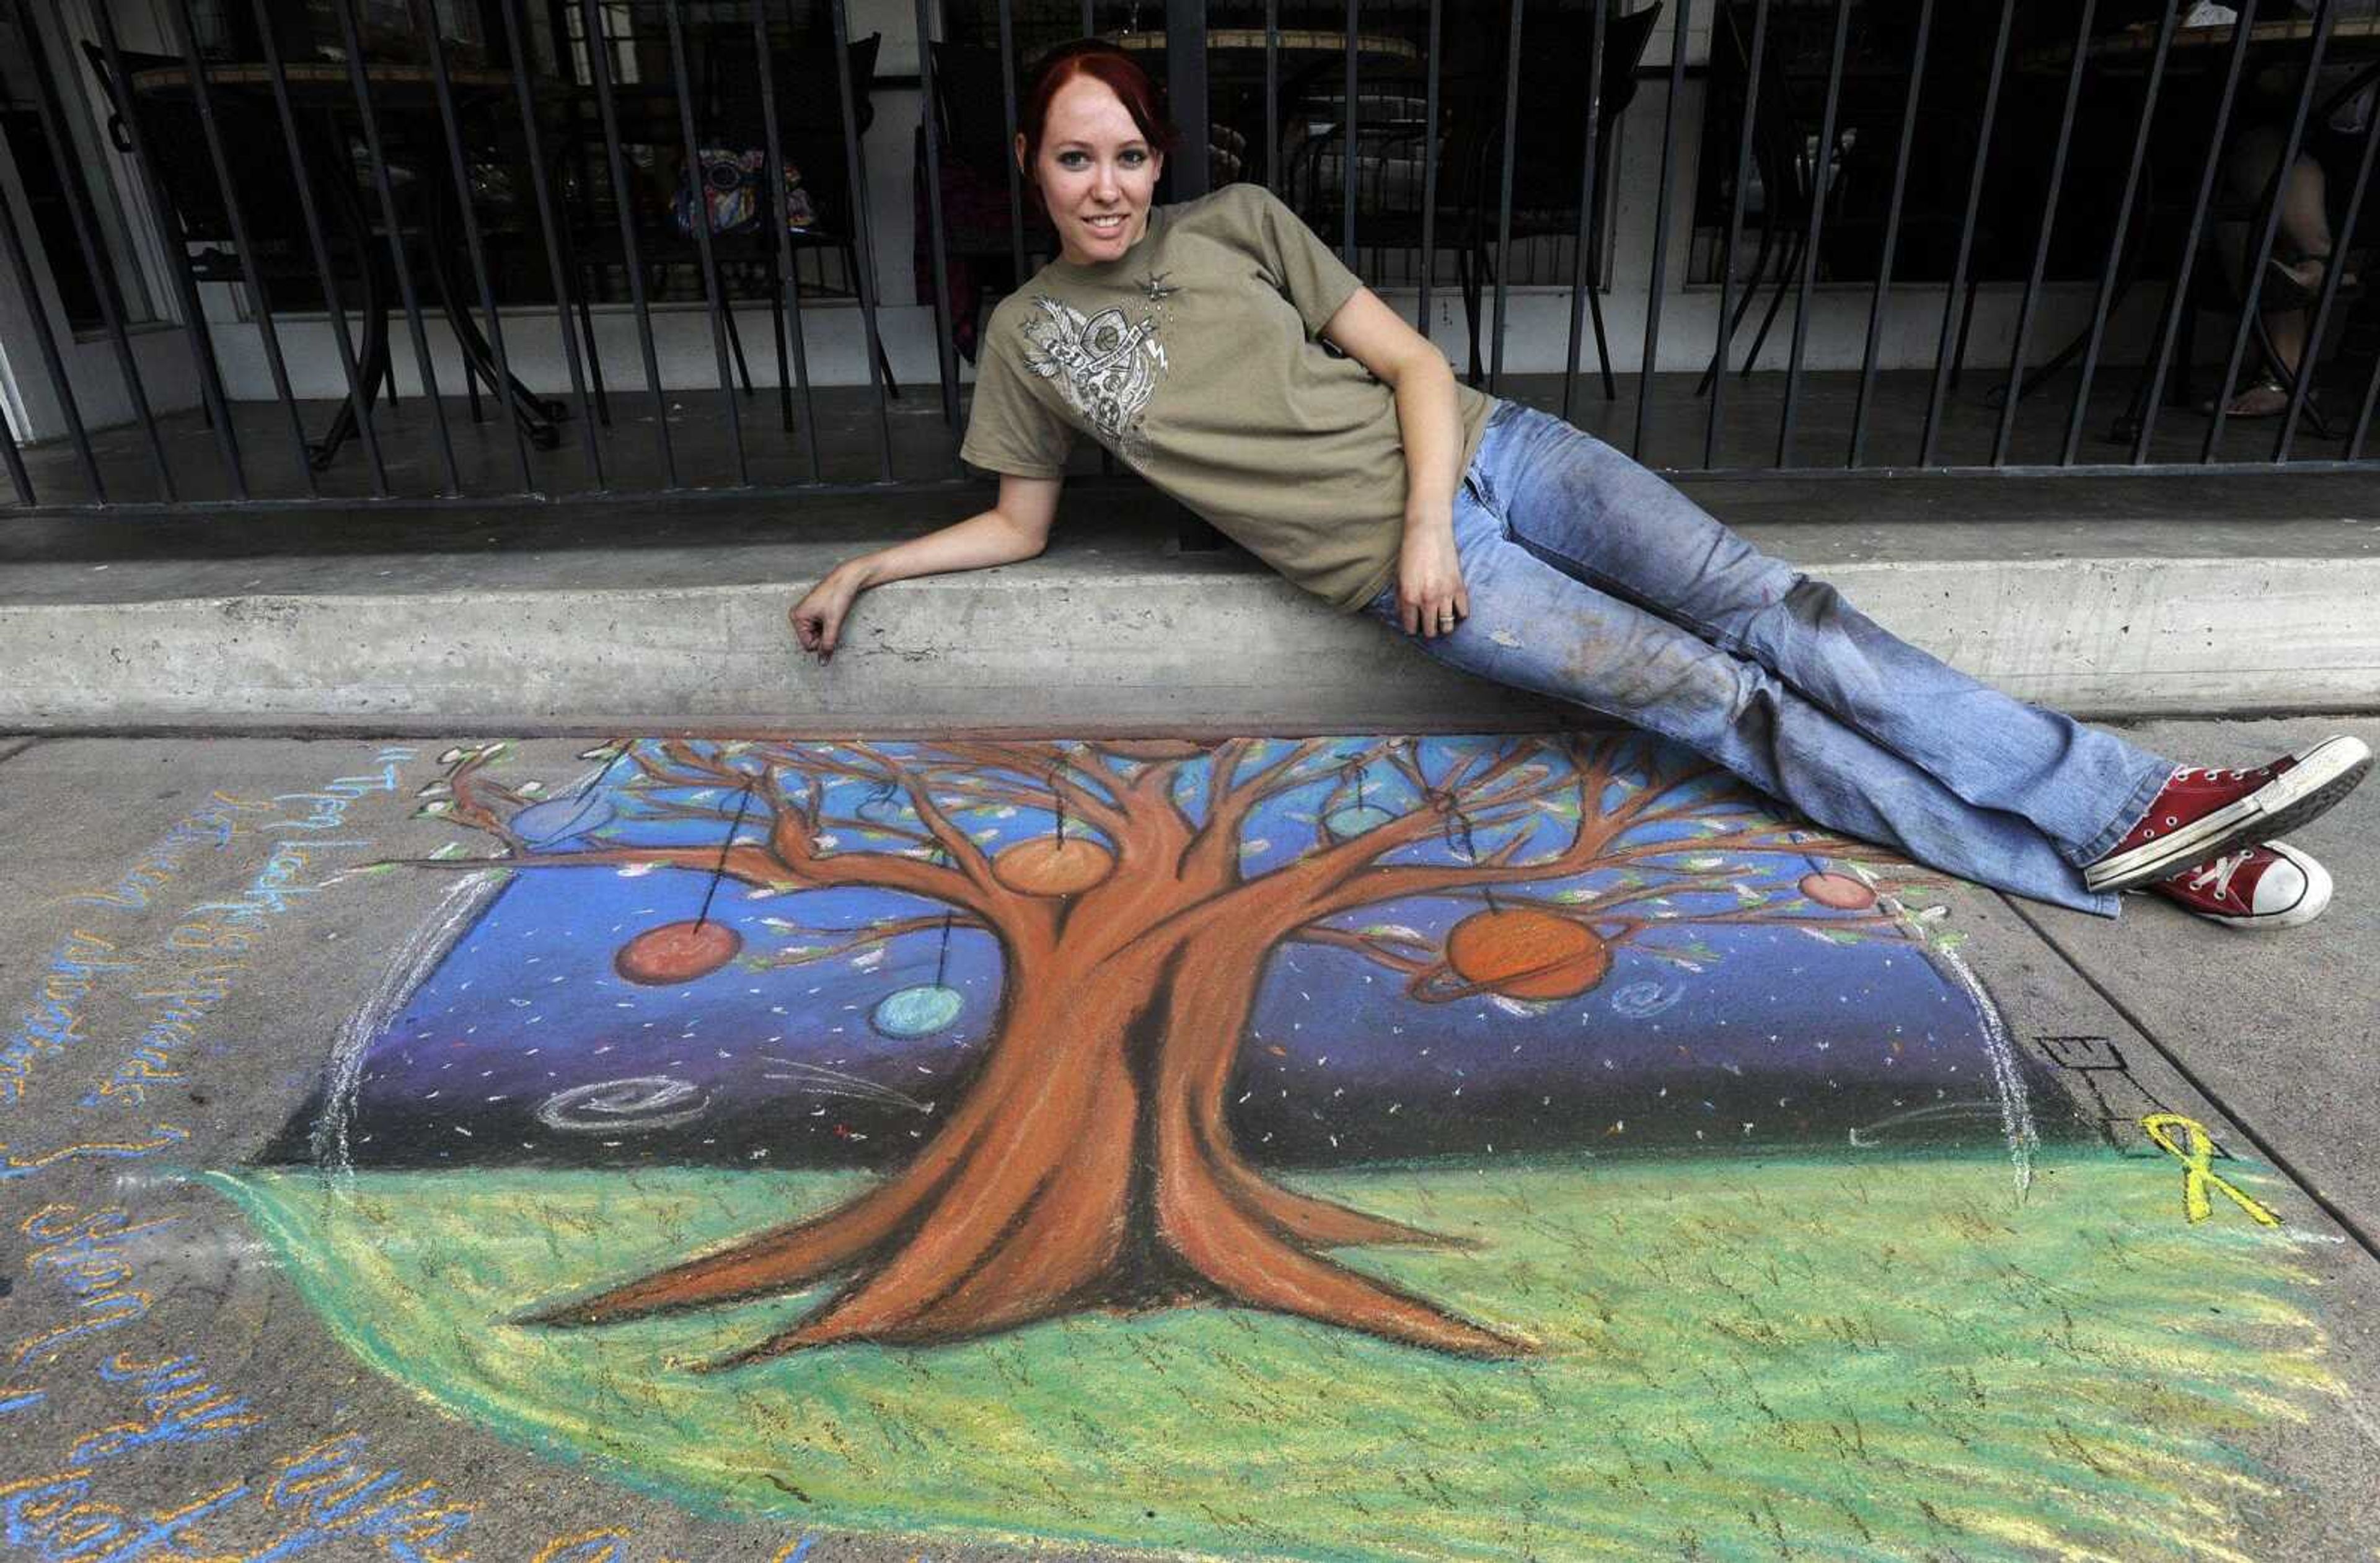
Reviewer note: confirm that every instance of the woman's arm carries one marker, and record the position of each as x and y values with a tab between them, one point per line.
1016	527
1430	595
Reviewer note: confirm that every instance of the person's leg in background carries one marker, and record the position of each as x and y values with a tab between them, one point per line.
2302	254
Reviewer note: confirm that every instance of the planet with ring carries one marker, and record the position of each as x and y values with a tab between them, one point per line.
1518	953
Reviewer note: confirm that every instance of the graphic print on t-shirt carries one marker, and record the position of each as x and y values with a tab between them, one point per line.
1107	368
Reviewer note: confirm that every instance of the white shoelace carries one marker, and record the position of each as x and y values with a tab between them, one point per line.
2218	874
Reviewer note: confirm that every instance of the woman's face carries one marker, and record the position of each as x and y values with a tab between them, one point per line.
1097	172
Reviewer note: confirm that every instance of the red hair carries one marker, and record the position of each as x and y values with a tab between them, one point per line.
1113	68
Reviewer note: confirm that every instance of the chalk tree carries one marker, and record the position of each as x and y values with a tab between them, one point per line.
1088	1162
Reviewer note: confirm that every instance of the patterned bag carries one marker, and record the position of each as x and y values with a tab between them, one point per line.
732	195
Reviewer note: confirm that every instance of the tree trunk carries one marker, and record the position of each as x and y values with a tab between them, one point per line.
1089	1165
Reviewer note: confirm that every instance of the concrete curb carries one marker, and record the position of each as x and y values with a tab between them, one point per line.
1076	645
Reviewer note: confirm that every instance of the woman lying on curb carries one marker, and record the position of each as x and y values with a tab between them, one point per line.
1221	351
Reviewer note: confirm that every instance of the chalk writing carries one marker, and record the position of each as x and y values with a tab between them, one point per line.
175	1010
57	1515
15	1166
182	1409
85	1255
213	824
334	1491
2198	1165
54	1022
219	933
328	1493
327	810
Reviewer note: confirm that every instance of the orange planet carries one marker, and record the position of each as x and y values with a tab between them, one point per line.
1050	866
1839	892
676	952
1524	954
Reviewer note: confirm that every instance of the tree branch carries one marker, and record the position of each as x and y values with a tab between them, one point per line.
1376	947
883	934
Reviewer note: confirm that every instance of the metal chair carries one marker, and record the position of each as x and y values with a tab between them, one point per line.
728	113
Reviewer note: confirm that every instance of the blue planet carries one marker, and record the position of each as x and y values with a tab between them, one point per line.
558	820
916	1011
1354	819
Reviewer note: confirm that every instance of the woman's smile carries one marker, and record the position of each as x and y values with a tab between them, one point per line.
1099	169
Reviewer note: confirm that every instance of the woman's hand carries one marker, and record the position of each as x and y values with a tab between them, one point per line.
1431	598
818	618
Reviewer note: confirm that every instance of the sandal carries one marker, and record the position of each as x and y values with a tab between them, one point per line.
2266	398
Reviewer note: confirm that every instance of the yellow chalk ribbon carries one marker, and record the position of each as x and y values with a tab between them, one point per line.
2198	1168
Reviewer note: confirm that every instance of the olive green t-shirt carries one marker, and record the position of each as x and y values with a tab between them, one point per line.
1195	356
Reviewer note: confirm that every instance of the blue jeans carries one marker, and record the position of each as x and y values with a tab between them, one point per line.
1594	581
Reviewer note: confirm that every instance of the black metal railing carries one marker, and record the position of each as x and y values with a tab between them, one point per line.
1937	194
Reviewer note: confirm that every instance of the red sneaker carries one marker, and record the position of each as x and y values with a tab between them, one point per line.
2201	814
2272	885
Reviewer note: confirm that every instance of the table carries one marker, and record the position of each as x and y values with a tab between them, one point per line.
2197	56
2136	45
323	91
1298	41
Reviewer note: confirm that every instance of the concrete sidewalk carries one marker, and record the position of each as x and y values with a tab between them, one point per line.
2105	597
270	1272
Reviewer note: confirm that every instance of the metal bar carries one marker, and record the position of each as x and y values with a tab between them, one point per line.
1348	143
186	34
1821	166
522	93
1966	237
1657	279
1186	91
2326	13
1089	26
2362	423
2333	271
1120	487
202	356
26	496
945	356
1272	92
1891	234
1428	164
599	63
861	227
2109	274
28	287
1753	57
2048	226
2153	394
95	261
360	85
704	252
2013	471
765	61
2324	17
358	390
1579	279
1008	139
1504	200
442	87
